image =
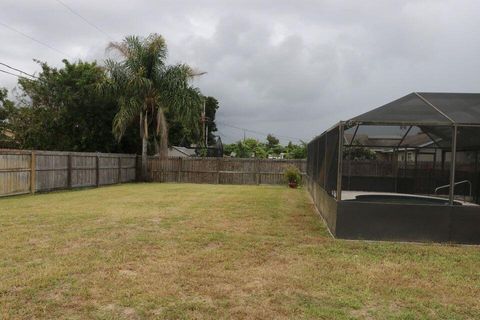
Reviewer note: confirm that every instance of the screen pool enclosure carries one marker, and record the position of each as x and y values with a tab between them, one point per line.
408	171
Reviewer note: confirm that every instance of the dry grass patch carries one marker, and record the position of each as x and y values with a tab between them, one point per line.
180	251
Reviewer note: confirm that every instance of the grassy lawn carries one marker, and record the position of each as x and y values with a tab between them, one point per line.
180	251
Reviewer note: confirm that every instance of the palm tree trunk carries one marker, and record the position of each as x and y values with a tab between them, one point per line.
162	133
144	136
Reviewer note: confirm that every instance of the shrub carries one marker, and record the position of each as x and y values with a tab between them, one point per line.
292	174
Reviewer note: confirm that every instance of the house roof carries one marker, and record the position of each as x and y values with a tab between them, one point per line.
426	108
181	151
414	140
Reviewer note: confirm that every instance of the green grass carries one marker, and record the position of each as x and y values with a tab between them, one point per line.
181	251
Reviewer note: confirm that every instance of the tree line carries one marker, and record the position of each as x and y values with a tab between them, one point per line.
84	106
271	148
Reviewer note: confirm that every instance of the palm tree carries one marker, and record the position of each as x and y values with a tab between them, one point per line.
147	88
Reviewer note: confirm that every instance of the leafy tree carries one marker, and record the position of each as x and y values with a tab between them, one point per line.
242	150
273	146
230	148
295	151
252	147
6	108
272	141
181	135
256	148
62	110
211	107
358	152
148	89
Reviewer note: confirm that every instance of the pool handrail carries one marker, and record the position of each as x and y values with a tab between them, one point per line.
457	183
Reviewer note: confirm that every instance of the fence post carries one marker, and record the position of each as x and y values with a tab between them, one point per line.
257	171
243	170
69	171
119	179
180	166
97	169
33	171
218	170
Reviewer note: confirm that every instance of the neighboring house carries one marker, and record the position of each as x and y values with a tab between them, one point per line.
7	133
7	139
380	144
181	152
277	156
420	144
215	150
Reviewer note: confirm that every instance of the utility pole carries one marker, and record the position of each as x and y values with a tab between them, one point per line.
206	136
204	122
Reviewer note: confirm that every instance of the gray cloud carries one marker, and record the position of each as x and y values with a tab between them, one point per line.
291	68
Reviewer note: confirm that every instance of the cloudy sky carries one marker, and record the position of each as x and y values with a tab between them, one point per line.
292	68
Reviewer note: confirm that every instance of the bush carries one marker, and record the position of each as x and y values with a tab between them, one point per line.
292	174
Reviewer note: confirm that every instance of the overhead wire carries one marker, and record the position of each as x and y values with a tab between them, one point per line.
222	134
108	36
18	70
35	40
44	43
257	132
84	19
13	74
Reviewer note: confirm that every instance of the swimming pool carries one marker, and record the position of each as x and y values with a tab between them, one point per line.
402	198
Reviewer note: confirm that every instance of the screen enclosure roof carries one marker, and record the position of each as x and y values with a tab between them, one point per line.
426	108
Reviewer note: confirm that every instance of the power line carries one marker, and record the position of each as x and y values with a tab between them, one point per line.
84	19
35	40
10	67
13	74
256	132
220	133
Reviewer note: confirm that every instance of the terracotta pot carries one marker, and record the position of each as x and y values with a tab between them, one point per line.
293	184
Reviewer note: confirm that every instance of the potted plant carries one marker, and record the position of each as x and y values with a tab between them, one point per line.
292	176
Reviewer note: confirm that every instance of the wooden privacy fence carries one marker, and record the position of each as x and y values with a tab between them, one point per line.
221	170
24	171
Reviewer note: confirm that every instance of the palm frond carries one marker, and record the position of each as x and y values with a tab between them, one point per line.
118	47
145	84
129	110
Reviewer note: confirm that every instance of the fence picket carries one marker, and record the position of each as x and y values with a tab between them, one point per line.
25	171
221	170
